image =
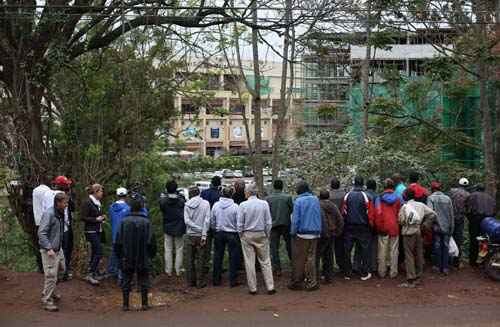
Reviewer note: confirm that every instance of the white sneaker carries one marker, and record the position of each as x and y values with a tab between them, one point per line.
367	277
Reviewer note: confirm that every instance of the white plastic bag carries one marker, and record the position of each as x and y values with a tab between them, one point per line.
453	248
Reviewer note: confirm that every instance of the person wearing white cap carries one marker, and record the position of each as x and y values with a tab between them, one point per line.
118	210
459	197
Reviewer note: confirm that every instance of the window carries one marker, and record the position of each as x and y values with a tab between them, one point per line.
214	104
231	82
236	107
215	133
188	108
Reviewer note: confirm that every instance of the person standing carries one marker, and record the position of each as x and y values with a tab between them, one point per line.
459	197
399	185
479	205
254	227
411	217
357	210
332	225
224	223
239	192
93	217
197	220
442	228
212	195
420	192
371	191
38	197
337	197
135	247
306	230
50	237
281	206
118	210
174	228
386	212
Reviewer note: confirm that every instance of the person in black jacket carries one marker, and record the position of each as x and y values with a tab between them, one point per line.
93	217
174	228
135	247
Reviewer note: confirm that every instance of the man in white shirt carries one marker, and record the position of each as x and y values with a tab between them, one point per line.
38	209
254	226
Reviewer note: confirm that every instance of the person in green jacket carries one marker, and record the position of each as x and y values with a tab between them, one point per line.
281	205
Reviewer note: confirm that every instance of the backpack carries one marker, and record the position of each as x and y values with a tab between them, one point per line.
411	214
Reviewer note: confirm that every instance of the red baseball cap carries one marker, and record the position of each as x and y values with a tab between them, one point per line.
62	180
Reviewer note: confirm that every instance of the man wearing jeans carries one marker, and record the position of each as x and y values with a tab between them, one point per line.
254	227
50	235
281	205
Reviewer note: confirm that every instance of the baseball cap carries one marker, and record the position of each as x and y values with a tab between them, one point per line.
121	191
61	180
463	181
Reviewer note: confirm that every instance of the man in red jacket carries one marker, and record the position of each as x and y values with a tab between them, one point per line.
386	224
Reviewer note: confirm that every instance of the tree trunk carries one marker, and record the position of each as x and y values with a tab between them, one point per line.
497	107
365	73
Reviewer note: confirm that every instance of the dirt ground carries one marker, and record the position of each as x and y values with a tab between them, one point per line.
465	298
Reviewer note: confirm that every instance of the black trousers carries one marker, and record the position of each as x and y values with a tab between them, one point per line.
67	246
339	251
474	232
324	253
221	241
143	279
361	236
276	234
36	249
458	236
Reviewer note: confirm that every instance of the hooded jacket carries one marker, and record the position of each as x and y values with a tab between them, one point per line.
50	231
172	208
197	217
387	207
332	221
117	212
306	215
442	205
421	193
225	216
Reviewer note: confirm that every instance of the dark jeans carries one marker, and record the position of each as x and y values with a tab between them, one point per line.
474	232
143	280
195	261
458	236
96	251
276	234
325	254
67	246
221	240
362	236
440	246
339	252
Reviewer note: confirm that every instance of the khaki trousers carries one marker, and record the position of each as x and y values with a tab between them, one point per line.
388	252
304	263
51	267
257	244
414	255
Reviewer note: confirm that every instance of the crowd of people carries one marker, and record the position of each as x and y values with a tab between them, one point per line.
358	232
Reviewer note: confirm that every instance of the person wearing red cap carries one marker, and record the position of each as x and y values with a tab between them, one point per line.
442	228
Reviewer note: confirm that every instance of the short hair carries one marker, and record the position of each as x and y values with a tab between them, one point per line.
227	192
410	194
252	189
396	178
59	197
302	187
414	177
388	184
278	184
371	184
216	181
193	191
324	194
171	186
335	183
359	181
94	188
136	202
239	185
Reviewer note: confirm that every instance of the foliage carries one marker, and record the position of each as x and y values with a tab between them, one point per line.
16	252
326	111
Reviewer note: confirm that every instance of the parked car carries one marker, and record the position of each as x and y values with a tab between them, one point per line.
238	174
248	172
202	185
228	173
184	192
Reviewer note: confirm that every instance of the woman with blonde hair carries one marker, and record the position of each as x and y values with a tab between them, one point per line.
93	217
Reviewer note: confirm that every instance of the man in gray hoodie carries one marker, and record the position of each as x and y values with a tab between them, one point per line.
197	219
223	221
442	229
50	237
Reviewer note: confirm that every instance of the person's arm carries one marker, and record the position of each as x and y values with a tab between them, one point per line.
339	220
187	219
85	214
43	232
402	216
240	219
452	215
268	220
152	249
295	218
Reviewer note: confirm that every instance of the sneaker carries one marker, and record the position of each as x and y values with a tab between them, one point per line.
252	292
50	306
367	277
91	280
56	297
347	277
271	292
407	285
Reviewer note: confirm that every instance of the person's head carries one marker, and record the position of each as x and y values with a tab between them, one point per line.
227	192
239	186
216	181
61	183
136	202
324	194
171	187
414	177
480	188
435	186
251	190
121	192
359	181
96	190
335	183
464	182
397	179
302	187
388	184
278	185
371	185
410	194
61	201
193	191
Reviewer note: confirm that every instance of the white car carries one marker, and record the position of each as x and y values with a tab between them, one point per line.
202	185
238	174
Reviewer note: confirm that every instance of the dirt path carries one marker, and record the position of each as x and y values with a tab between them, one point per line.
465	298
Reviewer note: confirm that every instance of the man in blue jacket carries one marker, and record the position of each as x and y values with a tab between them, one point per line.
305	230
118	210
